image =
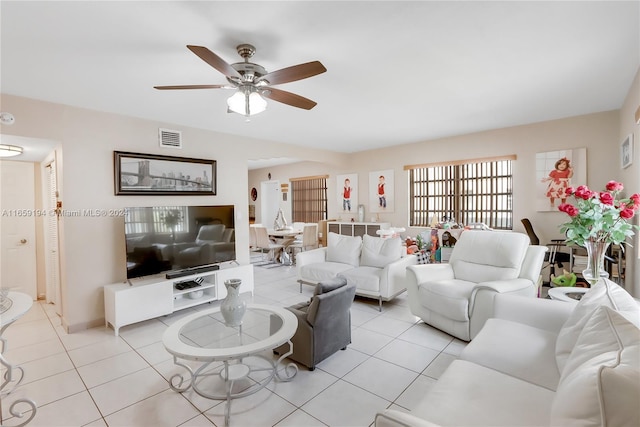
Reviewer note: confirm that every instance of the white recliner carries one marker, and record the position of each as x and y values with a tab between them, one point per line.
457	297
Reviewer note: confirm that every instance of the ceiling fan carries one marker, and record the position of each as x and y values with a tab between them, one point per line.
252	81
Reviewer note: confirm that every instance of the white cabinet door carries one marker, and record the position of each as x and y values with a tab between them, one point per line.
140	303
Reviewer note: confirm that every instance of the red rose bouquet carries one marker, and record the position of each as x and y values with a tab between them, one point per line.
599	216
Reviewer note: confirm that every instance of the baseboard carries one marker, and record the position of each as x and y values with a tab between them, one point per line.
77	327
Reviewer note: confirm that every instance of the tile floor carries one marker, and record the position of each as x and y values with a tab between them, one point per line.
92	378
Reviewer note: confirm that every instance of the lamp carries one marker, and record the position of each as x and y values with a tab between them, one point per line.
247	101
7	150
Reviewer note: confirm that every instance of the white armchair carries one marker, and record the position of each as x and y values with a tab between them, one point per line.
457	297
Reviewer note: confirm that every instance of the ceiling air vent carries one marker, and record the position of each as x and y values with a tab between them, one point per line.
170	138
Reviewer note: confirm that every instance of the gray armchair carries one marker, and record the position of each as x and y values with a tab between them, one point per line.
324	323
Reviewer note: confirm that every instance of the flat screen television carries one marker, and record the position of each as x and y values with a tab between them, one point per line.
161	239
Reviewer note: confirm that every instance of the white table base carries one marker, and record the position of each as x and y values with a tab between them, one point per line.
240	368
20	304
229	373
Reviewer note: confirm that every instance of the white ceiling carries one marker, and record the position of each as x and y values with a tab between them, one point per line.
398	72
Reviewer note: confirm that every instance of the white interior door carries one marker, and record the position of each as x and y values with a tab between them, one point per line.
18	227
270	202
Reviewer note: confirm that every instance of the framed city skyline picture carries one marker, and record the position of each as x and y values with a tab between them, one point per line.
145	174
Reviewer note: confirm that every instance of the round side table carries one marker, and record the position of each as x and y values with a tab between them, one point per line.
567	294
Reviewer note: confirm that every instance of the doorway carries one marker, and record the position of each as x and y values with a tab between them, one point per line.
270	191
18	227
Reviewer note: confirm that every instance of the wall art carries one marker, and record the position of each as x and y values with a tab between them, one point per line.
146	174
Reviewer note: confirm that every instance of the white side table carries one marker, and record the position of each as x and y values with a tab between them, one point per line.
567	293
16	305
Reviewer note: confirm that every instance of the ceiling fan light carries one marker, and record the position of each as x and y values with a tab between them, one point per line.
7	150
246	102
257	104
236	103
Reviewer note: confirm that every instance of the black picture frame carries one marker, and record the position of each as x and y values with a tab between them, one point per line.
140	174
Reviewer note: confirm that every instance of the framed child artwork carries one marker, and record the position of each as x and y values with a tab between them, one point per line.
381	194
555	172
347	193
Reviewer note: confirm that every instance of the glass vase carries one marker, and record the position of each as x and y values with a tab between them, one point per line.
595	261
233	307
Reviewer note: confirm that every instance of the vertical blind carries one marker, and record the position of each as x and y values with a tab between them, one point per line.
52	263
309	199
468	192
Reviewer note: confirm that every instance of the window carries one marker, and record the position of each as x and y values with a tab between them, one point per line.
309	199
163	220
467	192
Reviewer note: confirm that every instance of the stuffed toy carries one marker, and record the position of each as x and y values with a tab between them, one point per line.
448	240
567	279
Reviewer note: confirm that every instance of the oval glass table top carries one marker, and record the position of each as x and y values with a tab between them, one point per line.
205	336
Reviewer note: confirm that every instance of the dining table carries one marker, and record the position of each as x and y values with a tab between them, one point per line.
284	233
284	237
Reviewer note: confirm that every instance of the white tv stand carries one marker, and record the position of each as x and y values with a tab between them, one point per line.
156	296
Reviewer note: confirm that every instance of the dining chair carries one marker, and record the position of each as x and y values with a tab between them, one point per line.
252	238
309	240
555	257
264	244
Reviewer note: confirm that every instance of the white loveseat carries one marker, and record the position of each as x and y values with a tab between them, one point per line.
375	265
542	363
457	297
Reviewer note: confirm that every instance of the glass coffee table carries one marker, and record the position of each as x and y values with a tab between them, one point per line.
236	361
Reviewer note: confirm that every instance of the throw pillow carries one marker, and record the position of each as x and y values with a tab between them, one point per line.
606	293
378	252
605	330
344	249
424	257
603	389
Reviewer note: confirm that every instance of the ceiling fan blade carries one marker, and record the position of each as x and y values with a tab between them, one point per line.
288	98
296	72
190	87
214	60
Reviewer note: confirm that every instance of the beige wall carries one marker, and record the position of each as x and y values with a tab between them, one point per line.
596	132
599	133
92	249
631	177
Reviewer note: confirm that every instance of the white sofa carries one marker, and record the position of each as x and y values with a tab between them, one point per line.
457	297
375	265
542	363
